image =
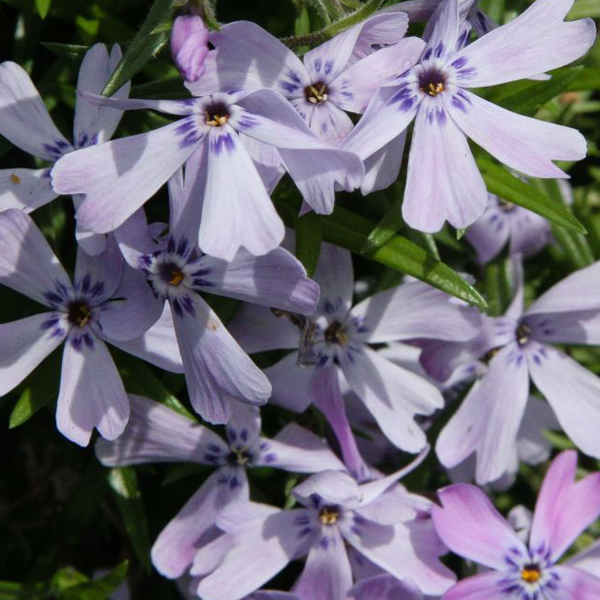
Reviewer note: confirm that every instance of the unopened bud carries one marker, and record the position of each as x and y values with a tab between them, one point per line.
189	46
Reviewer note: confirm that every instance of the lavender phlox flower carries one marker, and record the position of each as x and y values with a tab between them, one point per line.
385	587
189	46
25	121
335	512
469	525
443	181
518	345
340	75
156	433
337	339
107	301
215	366
233	208
526	232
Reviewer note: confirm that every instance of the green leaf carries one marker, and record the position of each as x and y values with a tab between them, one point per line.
43	6
11	590
386	229
146	44
99	589
309	235
71	50
123	482
497	285
589	79
512	189
528	101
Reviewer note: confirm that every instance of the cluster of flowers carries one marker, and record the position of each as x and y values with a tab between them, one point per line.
258	112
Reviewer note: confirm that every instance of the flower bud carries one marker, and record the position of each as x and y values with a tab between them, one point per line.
189	46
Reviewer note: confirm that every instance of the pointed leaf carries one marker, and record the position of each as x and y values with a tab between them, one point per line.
309	235
43	6
99	589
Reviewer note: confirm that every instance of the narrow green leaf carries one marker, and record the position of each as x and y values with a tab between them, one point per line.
146	44
100	589
12	590
460	233
500	182
589	79
66	578
386	229
71	50
309	235
43	6
584	8
529	101
498	288
123	482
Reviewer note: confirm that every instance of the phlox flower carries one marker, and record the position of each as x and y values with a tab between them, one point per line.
335	512
469	525
189	46
25	121
156	433
108	301
443	182
337	339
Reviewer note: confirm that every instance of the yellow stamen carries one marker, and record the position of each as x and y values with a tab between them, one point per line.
216	120
15	179
531	574
329	515
176	278
433	89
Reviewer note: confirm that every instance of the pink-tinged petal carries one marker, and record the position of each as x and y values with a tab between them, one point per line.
276	279
537	40
315	166
385	587
27	263
484	586
328	398
25	189
564	508
237	211
484	535
577	292
23	346
25	120
443	31
258	328
489	233
259	550
406	550
335	277
489	418
558	377
95	124
443	181
415	310
297	449
382	167
327	574
155	433
522	143
329	123
178	542
158	345
333	487
574	584
91	394
354	88
291	383
215	366
388	114
393	395
250	58
118	177
587	560
189	45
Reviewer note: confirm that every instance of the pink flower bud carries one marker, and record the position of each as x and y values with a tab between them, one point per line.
189	46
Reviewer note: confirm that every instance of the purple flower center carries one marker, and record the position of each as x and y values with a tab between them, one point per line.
336	334
79	313
171	273
217	114
328	515
432	81
523	334
239	458
316	93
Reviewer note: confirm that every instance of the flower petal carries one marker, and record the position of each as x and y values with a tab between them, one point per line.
522	143
385	587
382	167
291	383
26	189
27	263
331	487
335	277
484	536
393	395
574	583
91	394
215	366
483	586
443	182
443	38
536	41
489	233
23	346
118	177
95	124
557	376
24	118
155	433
